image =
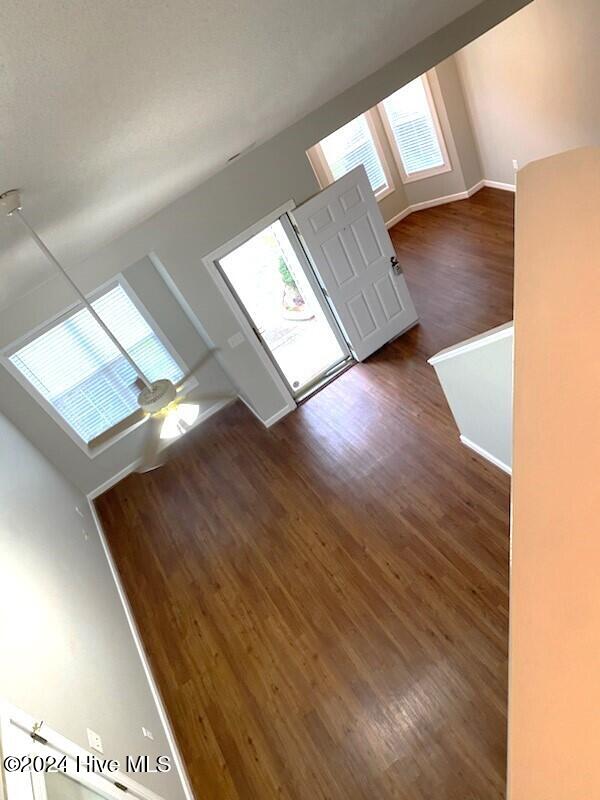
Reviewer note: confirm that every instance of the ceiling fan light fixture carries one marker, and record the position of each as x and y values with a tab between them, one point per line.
161	401
188	413
179	419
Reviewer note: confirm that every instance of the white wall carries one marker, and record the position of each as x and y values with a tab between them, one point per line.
218	210
68	656
531	84
477	379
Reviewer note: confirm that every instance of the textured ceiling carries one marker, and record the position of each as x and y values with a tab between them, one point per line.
110	109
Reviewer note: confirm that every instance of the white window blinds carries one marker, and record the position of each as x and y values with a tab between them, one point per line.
413	128
353	145
79	371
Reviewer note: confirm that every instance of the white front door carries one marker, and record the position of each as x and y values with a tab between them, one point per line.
354	258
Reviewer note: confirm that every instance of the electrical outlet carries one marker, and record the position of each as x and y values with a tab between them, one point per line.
148	734
515	165
95	741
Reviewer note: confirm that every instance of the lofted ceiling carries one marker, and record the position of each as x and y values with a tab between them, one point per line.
111	109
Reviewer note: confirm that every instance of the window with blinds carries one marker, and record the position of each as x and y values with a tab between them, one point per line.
79	371
350	146
414	130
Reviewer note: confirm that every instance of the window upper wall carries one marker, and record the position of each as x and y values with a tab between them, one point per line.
78	374
411	124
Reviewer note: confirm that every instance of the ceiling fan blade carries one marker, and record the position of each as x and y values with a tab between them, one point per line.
200	363
206	398
151	458
154	455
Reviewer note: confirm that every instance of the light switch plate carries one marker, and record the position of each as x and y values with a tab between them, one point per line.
95	741
235	340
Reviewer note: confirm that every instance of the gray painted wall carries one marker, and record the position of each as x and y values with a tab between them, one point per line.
226	204
531	84
477	379
454	120
460	122
68	656
466	170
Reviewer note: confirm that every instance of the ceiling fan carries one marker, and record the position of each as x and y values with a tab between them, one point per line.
163	404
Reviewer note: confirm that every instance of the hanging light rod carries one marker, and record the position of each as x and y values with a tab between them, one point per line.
163	402
10	201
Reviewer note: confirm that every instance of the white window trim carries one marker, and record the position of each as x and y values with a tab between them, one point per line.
425	173
321	168
11	349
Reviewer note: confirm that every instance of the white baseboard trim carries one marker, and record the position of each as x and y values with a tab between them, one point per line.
506	187
279	415
398	217
273	419
123	473
108	484
154	690
479	185
437	201
484	454
448	198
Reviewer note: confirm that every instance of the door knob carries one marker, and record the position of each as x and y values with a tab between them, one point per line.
396	265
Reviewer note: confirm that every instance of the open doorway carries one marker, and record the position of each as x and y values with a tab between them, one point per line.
274	285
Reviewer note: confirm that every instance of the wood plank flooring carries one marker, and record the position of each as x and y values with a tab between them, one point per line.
325	603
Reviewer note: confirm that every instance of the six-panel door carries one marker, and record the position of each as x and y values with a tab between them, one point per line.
345	235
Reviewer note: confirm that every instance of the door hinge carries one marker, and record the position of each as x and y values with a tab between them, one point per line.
35	733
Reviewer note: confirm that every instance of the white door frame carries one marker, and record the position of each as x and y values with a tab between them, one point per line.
16	728
210	262
313	281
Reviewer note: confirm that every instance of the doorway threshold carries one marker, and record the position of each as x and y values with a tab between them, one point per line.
323	380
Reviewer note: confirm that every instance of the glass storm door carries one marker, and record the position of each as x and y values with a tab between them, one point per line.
273	282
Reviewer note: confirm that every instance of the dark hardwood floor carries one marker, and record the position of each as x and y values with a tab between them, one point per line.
325	603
